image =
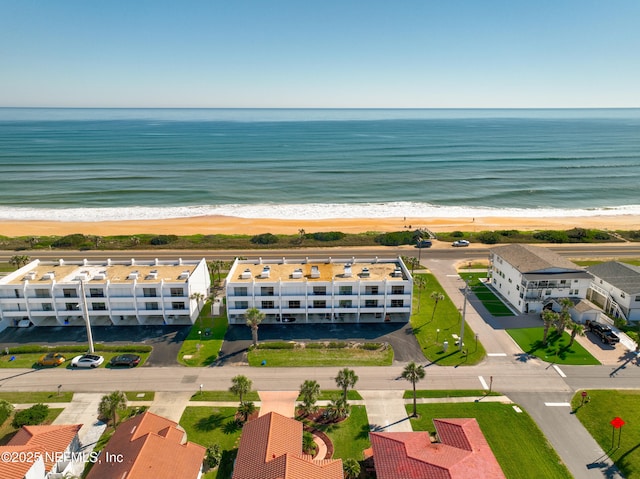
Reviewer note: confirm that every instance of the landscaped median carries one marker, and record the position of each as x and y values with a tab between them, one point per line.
329	353
557	349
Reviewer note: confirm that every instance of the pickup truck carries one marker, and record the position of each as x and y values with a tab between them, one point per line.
603	331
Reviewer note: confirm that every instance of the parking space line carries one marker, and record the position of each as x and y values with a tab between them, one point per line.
559	371
483	382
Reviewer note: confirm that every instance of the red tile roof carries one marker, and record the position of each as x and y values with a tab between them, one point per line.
462	453
271	448
149	446
48	442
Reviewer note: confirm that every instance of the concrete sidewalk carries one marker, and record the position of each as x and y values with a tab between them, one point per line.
386	411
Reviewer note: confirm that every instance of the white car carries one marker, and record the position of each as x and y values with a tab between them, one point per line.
460	243
87	361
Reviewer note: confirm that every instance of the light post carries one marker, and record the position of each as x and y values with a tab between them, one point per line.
201	386
200	335
476	342
59	387
464	312
85	314
437	335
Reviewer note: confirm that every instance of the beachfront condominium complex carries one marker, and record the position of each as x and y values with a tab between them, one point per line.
320	290
104	292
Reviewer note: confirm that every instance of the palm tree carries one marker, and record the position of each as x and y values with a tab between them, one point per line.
309	446
411	262
338	408
436	296
419	282
309	393
549	318
198	297
240	385
111	404
564	317
246	409
213	455
577	329
413	373
217	266
301	235
345	380
254	318
19	260
351	468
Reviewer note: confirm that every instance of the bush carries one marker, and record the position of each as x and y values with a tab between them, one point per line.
70	241
457	234
508	233
552	236
337	345
488	237
6	408
371	346
277	345
264	238
601	235
315	346
326	236
577	234
36	414
163	239
396	238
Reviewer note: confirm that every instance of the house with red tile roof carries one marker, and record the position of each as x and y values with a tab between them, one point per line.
149	446
36	451
271	448
461	453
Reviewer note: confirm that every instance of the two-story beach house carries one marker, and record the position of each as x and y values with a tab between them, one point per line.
616	287
529	276
103	292
320	290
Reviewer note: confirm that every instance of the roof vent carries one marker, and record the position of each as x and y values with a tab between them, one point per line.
133	275
365	273
31	275
246	274
315	272
153	274
266	272
49	275
347	270
100	276
297	274
397	273
184	275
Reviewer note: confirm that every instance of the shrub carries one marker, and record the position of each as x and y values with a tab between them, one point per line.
277	345
552	236
396	238
6	408
36	414
337	345
508	233
577	234
163	239
70	241
264	238
315	346
326	236
371	346
601	235
457	234
213	456
488	237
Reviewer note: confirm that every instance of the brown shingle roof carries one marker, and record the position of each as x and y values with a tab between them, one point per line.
45	441
271	448
151	447
462	453
530	259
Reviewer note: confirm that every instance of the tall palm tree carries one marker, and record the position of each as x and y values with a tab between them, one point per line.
198	297
217	266
246	409
110	404
564	317
240	385
549	318
420	283
437	297
254	318
345	380
413	373
351	468
19	260
411	262
309	393
577	329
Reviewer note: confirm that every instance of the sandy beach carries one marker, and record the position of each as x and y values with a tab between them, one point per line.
234	225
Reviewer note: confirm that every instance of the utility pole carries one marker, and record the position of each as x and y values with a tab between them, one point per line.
464	312
85	314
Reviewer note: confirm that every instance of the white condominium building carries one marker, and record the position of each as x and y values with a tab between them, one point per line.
320	290
106	292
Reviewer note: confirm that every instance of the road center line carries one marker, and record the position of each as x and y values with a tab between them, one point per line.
559	371
483	382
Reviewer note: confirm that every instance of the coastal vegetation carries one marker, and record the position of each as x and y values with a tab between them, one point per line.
267	240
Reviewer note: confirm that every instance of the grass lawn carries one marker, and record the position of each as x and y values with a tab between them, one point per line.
518	444
29	360
133	395
349	437
7	431
490	301
36	397
447	319
224	396
448	393
595	415
320	357
556	351
209	334
207	425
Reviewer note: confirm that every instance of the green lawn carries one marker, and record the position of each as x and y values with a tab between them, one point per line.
448	393
519	446
490	301
133	395
223	396
556	351
320	357
36	397
349	437
595	415
207	425
209	334
447	319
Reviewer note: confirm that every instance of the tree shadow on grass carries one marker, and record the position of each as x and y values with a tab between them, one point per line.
210	423
231	427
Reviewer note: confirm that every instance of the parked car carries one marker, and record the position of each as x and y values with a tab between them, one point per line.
129	360
51	359
459	243
87	361
424	244
604	332
288	320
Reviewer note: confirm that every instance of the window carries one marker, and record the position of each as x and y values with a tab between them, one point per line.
548	292
43	293
294	304
96	292
320	290
99	306
151	306
267	305
345	303
149	292
637	298
177	292
242	304
319	304
370	303
346	290
266	290
397	289
240	291
177	305
397	303
71	306
371	290
69	293
47	307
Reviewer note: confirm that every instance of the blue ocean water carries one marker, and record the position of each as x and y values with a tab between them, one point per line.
104	164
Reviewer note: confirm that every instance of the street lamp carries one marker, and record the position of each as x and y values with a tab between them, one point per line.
476	342
201	386
85	315
200	335
464	312
437	334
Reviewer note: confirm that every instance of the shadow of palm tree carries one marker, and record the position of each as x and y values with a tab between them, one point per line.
231	427
364	432
210	423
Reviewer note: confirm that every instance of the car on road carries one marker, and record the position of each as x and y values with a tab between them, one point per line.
87	361
604	332
51	359
424	244
459	243
128	360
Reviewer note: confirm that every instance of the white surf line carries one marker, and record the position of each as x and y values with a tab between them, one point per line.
496	354
557	404
559	371
483	382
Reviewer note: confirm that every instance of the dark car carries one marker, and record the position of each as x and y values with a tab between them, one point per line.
604	332
424	244
288	320
129	360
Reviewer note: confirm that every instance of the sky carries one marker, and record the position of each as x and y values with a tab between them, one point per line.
320	54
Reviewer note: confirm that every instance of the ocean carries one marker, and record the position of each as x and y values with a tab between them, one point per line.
116	164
